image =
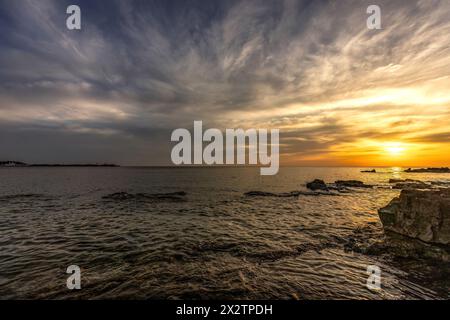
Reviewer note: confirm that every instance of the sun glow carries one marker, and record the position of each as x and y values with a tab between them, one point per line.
394	149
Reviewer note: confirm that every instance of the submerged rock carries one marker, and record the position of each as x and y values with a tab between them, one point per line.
404	181
411	185
352	184
286	194
172	196
259	194
369	171
420	214
20	196
317	185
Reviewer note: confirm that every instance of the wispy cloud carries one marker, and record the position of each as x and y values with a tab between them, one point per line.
139	69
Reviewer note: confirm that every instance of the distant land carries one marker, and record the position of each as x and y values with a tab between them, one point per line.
23	164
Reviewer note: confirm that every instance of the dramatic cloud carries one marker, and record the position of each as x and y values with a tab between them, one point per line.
114	91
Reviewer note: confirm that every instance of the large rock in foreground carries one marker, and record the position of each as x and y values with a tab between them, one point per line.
420	214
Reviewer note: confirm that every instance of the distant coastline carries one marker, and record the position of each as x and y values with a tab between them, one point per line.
13	164
409	169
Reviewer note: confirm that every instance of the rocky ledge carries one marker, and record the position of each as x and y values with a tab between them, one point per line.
419	214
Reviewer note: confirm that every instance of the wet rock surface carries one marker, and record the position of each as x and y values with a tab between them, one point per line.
419	214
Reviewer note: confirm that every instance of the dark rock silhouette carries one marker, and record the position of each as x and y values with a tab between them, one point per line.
430	170
287	194
317	185
369	171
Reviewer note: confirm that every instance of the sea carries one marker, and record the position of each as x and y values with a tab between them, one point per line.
193	233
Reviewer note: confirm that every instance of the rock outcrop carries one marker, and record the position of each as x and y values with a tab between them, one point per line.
369	171
317	185
343	186
430	170
419	214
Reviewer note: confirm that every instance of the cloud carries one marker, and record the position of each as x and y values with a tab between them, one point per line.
139	69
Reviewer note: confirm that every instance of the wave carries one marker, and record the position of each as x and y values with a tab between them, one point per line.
20	196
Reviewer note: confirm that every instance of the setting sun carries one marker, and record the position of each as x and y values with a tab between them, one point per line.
394	149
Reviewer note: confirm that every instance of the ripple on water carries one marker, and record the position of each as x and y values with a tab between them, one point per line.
154	241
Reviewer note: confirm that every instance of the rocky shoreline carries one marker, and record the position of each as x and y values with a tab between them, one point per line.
419	214
416	224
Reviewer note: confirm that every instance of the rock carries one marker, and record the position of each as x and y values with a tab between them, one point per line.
403	180
369	171
119	196
317	185
152	197
411	185
430	170
352	184
287	194
419	214
399	246
259	194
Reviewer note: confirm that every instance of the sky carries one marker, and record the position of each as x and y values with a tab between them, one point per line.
341	94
